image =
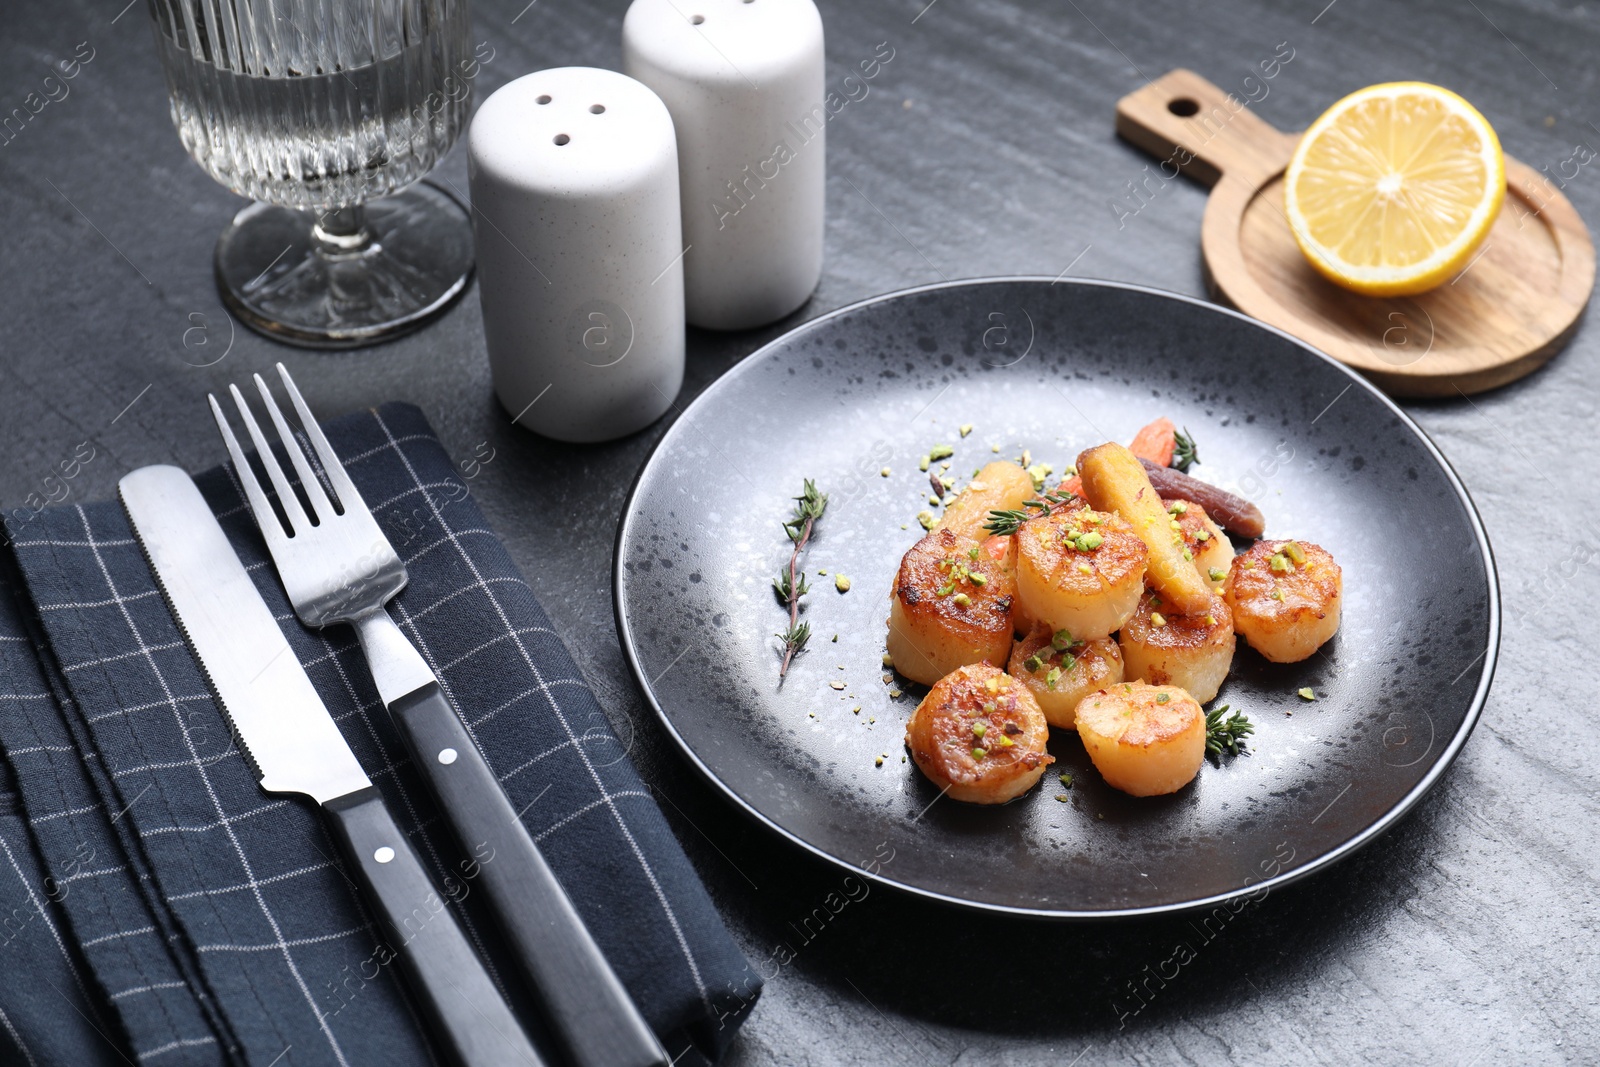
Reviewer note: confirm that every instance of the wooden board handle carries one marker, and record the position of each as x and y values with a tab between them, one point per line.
1197	127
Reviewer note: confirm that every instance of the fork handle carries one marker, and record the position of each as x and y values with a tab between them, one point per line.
584	1001
471	1021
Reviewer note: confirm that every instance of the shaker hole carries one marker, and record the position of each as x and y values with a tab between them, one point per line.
562	138
597	109
1183	107
545	99
697	19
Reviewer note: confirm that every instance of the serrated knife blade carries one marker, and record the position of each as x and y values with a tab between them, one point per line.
287	733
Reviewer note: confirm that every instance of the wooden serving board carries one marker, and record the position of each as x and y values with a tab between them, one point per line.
1511	309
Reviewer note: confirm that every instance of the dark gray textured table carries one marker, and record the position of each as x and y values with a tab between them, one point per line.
1466	936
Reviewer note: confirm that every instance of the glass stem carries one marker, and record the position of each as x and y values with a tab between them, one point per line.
342	231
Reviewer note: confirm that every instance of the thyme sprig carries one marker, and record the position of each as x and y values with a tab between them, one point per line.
1184	452
1007	522
1227	733
790	585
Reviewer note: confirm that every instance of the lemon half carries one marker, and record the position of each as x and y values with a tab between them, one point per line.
1393	189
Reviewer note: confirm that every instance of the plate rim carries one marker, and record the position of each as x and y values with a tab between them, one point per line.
1384	822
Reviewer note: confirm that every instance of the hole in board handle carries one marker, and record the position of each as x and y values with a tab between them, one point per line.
1183	107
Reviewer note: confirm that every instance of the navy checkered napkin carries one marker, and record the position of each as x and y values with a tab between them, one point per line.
178	910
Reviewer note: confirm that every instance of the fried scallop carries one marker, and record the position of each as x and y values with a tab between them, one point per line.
1193	652
1203	541
950	606
1080	570
1060	672
1285	597
980	736
1146	740
999	486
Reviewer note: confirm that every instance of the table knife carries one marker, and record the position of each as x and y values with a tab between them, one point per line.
293	745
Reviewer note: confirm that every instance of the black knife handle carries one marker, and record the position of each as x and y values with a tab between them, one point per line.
585	1003
472	1024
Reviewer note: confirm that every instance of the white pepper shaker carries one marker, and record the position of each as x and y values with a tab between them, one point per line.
576	214
744	82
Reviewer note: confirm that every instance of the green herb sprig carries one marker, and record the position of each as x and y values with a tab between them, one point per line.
1184	452
790	585
1227	733
1007	522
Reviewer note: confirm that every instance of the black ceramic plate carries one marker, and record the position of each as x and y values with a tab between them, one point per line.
1053	368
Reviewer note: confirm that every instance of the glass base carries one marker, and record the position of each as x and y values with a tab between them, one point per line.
349	277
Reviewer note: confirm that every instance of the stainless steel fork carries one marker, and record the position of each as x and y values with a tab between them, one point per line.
338	567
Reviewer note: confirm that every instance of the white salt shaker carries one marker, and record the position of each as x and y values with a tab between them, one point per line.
580	255
744	82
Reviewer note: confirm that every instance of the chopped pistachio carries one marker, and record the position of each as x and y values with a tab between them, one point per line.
1091	540
1307	693
934	501
978	579
1178	508
1066	780
1085	568
1203	536
1293	550
1277	594
1006	742
1062	797
961	600
886	472
894	694
966	428
1188	555
923	465
979	753
837	685
841	583
1211	620
925	518
1162	698
972	553
1061	640
888	660
1053	677
1279	563
979	728
856	710
1032	663
1157	619
1217	574
994	448
878	762
941	452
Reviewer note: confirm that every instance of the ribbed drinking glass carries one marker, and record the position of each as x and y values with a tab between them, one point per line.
313	108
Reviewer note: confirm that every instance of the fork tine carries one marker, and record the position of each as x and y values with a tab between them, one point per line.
267	519
349	499
321	509
298	522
